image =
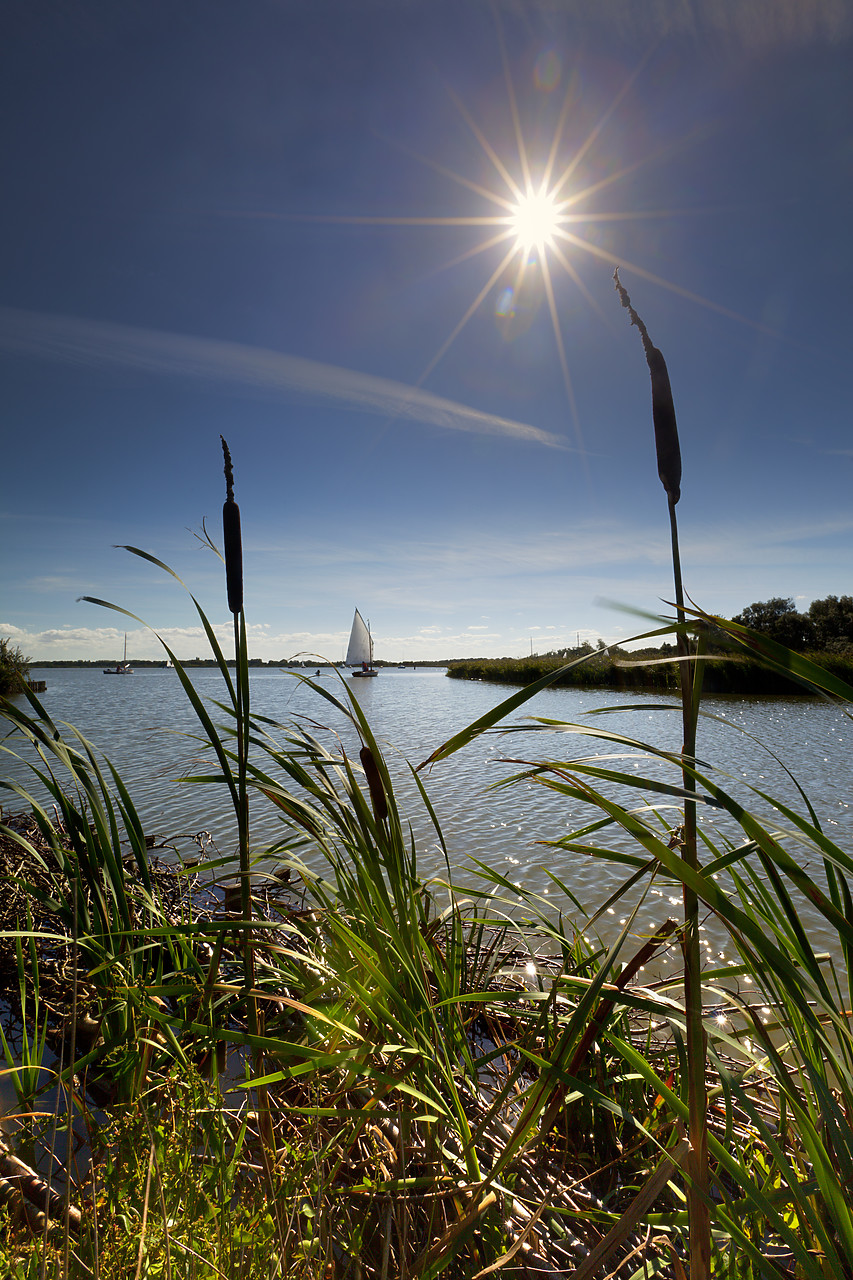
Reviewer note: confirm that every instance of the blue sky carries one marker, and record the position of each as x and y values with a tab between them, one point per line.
216	220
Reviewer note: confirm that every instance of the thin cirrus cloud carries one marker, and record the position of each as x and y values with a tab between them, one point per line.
71	340
590	545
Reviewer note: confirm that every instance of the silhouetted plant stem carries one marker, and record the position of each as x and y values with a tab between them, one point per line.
233	548
233	551
669	470
697	1163
243	809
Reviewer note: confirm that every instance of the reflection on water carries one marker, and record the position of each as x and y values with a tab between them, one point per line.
146	727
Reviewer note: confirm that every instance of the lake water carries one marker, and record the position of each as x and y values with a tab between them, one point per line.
144	724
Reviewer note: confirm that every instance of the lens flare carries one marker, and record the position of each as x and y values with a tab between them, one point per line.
548	69
505	306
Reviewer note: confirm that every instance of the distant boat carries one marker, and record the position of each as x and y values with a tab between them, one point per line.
122	668
360	649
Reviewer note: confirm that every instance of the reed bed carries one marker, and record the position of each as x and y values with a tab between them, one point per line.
358	1072
648	670
448	1087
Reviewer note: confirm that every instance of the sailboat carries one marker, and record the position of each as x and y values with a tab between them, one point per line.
360	649
122	668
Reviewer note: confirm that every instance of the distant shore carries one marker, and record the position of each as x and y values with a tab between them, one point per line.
161	664
644	670
648	670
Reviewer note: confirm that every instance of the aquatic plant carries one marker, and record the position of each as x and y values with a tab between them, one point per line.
439	1083
805	1213
390	1002
690	679
651	669
25	1055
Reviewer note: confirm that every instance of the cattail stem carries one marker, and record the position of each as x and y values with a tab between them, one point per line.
234	584
233	553
697	1102
669	470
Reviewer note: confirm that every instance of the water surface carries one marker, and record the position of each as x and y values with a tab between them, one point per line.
145	725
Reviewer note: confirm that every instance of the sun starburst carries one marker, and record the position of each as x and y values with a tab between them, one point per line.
536	222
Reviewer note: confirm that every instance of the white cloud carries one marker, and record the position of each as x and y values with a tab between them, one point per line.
76	341
422	593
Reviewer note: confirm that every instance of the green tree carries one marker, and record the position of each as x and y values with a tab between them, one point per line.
779	620
13	667
832	619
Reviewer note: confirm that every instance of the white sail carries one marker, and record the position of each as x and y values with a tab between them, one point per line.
360	643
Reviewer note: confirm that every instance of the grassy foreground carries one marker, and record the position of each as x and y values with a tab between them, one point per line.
427	1085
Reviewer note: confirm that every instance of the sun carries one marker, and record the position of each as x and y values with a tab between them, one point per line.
536	220
536	223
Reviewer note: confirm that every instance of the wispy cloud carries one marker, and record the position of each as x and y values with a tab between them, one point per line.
55	582
72	340
588	560
765	543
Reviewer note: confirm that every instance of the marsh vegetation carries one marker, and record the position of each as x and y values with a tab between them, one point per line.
726	671
358	1072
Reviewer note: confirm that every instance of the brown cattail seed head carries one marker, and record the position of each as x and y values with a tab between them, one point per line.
663	409
374	784
232	538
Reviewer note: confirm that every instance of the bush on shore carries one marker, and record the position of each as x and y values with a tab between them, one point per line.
13	667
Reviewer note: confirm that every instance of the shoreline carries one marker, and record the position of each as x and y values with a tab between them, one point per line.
646	672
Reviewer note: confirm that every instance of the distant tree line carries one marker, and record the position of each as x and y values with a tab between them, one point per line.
826	630
826	627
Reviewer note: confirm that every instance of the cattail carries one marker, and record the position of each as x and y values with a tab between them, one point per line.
232	538
374	783
663	409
